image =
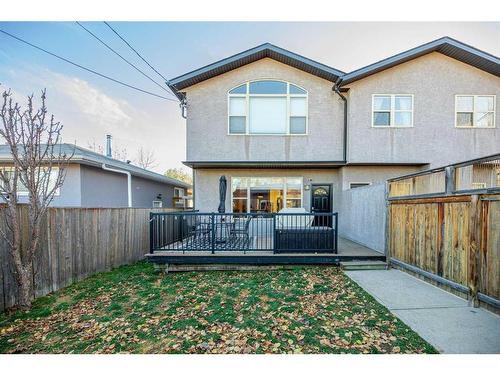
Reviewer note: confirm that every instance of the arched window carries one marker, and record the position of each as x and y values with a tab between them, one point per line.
267	107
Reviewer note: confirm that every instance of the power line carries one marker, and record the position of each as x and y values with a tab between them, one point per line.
123	58
137	53
85	68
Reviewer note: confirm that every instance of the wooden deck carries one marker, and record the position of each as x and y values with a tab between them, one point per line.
348	250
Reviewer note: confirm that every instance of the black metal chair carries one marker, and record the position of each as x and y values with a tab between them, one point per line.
240	228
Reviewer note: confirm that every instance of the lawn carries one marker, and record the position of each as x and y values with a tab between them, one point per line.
137	310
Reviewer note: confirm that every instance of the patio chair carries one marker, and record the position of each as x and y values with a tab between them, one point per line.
201	227
240	227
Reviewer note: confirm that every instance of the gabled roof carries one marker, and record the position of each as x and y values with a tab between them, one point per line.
84	156
249	56
446	45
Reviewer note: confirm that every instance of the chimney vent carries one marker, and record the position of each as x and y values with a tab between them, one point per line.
108	146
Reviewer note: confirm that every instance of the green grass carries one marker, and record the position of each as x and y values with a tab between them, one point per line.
135	309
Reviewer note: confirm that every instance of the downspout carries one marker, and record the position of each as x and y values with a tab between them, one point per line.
336	89
183	105
129	181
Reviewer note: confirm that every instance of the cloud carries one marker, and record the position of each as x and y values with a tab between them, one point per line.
98	107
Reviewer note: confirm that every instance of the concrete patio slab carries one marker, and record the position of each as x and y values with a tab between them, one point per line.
443	319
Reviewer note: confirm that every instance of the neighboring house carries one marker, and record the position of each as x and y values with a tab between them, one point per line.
95	180
288	131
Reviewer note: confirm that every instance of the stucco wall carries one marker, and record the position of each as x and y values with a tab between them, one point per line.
362	216
107	189
103	189
373	174
206	183
434	80
145	191
207	122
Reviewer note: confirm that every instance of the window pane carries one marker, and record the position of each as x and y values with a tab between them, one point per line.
402	118
268	87
239	90
464	119
237	106
298	106
268	115
381	118
297	125
293	203
237	125
293	193
465	103
239	205
484	119
484	103
403	102
240	193
296	90
266	200
382	103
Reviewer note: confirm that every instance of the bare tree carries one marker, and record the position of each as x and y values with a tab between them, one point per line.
38	168
118	154
146	158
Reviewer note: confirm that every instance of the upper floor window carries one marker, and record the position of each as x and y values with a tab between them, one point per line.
475	111
267	107
392	110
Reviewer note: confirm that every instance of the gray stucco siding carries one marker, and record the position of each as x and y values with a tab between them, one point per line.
102	188
108	189
434	80
207	122
144	192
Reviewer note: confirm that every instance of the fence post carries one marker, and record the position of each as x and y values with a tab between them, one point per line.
212	240
474	244
449	180
274	233
151	241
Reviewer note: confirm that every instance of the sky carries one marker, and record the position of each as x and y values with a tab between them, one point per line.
90	107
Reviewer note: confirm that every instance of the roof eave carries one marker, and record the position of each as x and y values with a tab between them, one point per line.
486	61
246	57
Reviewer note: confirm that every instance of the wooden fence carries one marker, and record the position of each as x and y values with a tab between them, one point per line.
77	242
453	234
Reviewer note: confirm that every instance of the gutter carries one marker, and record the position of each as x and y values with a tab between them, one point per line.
336	89
129	181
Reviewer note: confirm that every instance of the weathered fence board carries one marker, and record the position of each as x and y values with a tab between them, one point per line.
75	243
456	238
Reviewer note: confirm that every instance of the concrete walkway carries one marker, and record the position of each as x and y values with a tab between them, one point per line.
443	319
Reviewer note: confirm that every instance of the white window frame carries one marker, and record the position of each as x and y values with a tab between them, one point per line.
181	192
284	190
157	204
57	193
353	182
247	96
474	112
392	111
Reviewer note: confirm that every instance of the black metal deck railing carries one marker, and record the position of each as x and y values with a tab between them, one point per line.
271	232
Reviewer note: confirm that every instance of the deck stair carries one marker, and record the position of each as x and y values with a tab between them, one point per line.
364	265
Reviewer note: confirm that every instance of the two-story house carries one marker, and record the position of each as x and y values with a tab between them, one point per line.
287	131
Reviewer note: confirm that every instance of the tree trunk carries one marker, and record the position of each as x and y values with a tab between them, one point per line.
25	283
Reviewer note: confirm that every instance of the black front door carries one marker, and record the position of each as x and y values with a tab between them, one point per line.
321	202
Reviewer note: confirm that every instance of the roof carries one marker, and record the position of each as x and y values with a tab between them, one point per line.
246	57
87	157
446	45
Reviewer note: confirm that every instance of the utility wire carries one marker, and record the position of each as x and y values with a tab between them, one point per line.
85	68
137	53
123	58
